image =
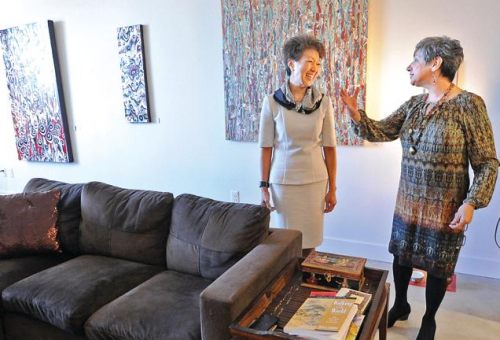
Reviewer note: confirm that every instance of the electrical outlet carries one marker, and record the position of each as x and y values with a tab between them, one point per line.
10	173
235	196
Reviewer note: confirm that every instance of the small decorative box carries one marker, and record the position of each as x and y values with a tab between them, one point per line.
332	271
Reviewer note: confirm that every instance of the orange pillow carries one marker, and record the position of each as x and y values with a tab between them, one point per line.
28	224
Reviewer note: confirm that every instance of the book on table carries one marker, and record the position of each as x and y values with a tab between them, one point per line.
323	318
323	294
362	299
355	327
336	315
333	271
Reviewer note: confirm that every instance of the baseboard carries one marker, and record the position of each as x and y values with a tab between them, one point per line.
478	266
378	252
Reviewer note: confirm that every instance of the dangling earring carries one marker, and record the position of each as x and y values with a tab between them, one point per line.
433	78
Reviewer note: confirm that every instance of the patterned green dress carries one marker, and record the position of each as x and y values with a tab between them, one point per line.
435	181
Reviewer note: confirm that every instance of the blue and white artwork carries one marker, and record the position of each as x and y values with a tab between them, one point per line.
133	71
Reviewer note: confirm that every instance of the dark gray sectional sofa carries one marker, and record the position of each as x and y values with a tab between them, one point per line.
141	265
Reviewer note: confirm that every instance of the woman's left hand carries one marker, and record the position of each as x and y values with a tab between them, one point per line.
462	217
351	104
330	201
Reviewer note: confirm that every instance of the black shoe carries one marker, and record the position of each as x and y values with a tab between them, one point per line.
398	313
427	330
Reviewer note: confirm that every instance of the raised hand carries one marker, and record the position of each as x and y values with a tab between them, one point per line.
351	104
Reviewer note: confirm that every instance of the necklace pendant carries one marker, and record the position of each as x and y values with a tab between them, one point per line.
410	131
413	150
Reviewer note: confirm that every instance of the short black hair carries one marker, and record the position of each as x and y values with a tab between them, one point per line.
295	47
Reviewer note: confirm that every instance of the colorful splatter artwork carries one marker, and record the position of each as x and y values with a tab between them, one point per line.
35	90
254	32
134	81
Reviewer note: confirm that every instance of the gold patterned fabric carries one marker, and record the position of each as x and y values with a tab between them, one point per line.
435	180
28	224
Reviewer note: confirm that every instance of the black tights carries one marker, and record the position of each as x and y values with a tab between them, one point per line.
434	294
402	276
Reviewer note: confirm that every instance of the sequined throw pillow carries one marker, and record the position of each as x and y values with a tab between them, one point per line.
28	224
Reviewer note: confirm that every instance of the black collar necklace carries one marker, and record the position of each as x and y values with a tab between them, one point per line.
280	97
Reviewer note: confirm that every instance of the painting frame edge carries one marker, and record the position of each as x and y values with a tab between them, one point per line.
60	90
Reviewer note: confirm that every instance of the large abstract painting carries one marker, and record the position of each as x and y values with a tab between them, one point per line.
254	32
134	81
36	95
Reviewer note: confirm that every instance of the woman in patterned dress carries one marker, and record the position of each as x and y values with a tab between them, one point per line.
297	140
441	133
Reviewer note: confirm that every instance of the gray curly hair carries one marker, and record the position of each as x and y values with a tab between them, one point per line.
448	49
295	47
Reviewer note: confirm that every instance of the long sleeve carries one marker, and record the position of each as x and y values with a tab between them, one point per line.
481	153
384	130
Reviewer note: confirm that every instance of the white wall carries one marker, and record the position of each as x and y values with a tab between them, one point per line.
187	152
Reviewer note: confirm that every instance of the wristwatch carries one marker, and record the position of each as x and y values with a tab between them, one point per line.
264	184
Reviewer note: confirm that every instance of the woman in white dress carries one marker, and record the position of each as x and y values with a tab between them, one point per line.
297	139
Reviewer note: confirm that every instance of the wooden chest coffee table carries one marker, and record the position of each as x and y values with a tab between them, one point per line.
284	296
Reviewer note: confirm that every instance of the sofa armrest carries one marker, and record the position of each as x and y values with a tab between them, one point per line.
228	296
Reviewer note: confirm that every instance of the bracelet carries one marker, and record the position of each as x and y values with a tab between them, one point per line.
264	184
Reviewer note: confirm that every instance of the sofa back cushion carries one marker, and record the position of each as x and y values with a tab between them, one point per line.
124	223
207	237
70	214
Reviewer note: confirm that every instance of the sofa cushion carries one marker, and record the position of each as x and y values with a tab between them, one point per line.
70	214
166	306
67	294
123	223
21	327
28	224
207	237
13	270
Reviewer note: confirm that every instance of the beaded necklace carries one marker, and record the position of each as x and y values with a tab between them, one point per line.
423	124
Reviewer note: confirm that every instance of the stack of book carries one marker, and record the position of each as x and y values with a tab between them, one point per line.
323	318
333	271
330	315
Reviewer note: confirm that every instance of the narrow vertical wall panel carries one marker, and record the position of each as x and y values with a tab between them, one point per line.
133	74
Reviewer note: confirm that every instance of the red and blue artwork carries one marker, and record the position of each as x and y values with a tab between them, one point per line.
134	81
36	95
254	32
